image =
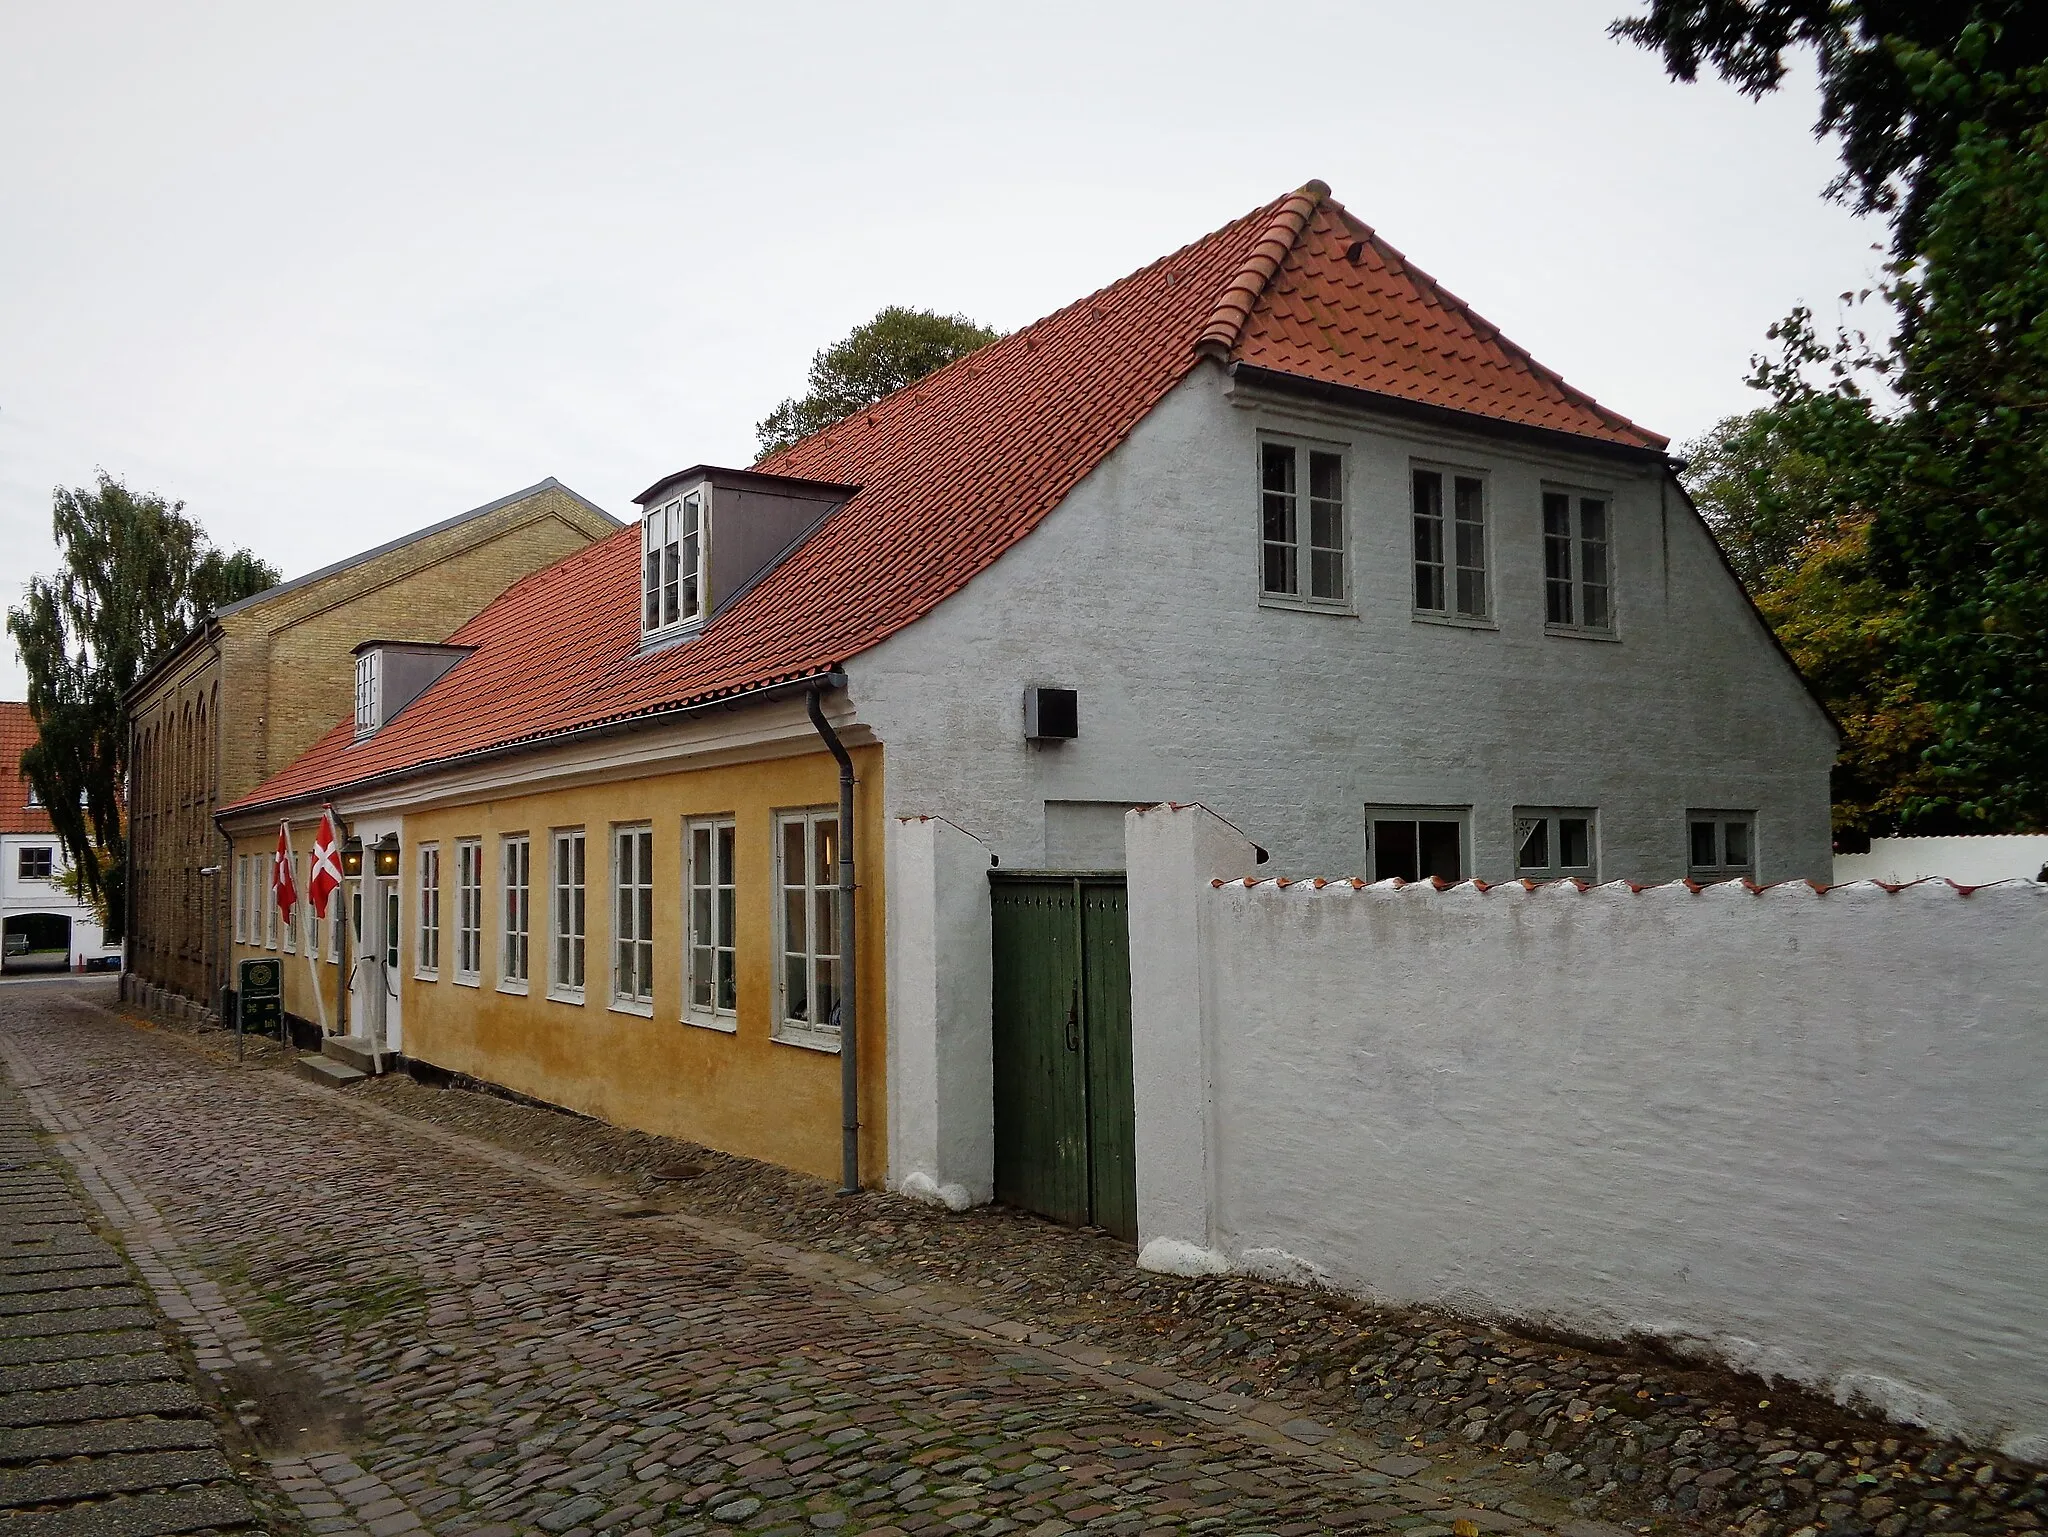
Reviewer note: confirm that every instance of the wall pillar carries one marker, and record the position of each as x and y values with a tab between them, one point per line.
1172	854
941	1055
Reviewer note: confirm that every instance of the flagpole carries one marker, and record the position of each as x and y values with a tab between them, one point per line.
305	939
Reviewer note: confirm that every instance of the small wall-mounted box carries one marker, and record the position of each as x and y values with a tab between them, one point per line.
1051	714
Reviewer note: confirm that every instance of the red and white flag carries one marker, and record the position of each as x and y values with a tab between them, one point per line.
325	880
283	889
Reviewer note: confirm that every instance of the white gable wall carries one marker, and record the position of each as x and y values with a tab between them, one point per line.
1141	591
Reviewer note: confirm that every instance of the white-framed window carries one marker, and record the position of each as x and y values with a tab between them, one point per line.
469	910
1577	584
426	957
291	929
1720	846
633	919
1556	844
711	988
334	927
1448	510
807	928
671	572
35	864
515	874
1301	524
368	671
1418	843
241	899
565	922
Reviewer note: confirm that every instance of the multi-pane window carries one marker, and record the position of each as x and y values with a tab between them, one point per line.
241	898
1416	843
266	885
633	917
427	956
516	864
565	979
1301	523
1551	845
1450	543
367	671
35	864
334	928
291	927
807	923
1576	584
1721	845
469	910
712	988
671	582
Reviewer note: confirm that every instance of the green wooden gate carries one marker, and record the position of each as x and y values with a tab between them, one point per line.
1063	1104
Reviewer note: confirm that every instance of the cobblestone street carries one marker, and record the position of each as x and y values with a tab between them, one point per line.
457	1338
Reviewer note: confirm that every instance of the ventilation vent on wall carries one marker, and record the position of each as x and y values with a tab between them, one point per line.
1051	714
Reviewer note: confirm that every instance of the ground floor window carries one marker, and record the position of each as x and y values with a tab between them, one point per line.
807	927
565	979
1554	845
469	910
241	899
35	864
713	988
633	918
1417	843
1722	846
427	956
516	862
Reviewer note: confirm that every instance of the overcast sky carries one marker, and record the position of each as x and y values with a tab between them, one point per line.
328	274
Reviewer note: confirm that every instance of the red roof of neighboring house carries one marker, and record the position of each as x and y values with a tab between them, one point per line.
17	736
956	468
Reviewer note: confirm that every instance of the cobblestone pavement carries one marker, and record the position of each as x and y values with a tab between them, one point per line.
101	1433
459	1338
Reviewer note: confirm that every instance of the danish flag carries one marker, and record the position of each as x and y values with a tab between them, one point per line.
325	880
282	887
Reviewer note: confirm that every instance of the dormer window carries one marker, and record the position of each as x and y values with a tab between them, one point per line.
672	576
368	671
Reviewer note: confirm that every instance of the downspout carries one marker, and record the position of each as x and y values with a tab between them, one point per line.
849	991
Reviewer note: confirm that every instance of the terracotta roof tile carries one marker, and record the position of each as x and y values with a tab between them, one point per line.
955	469
17	736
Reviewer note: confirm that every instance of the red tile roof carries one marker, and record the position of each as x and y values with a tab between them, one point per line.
958	467
17	736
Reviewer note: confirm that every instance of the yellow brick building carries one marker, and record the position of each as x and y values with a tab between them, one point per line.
259	682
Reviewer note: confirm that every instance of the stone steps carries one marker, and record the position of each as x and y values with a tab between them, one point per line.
356	1052
326	1070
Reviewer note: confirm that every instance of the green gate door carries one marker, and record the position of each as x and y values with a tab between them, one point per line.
1063	1104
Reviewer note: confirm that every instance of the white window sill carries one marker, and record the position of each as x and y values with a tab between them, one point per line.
1456	621
658	640
423	975
570	995
806	1037
516	989
1342	610
729	1024
474	979
1568	632
642	1009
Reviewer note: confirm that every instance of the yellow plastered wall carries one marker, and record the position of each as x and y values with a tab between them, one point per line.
258	909
742	1092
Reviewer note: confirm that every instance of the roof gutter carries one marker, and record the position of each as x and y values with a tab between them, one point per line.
831	678
1440	416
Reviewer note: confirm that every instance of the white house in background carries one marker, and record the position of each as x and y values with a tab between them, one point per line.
1968	861
44	928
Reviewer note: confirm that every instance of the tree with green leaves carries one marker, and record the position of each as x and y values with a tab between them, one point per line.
136	576
898	347
1940	434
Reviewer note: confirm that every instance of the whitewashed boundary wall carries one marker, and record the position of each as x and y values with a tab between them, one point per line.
1968	861
1796	1132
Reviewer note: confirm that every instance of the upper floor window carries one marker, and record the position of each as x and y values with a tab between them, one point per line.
1416	843
33	798
1553	845
1576	584
1721	846
671	581
1450	544
367	673
36	864
1301	523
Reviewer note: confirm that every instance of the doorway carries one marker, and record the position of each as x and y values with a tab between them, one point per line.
1064	1114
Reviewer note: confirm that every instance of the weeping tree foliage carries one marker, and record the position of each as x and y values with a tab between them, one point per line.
1938	436
898	347
136	576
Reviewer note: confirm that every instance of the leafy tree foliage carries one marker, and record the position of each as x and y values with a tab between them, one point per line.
898	347
1948	455
137	576
1894	134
